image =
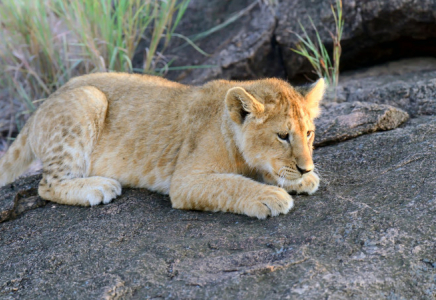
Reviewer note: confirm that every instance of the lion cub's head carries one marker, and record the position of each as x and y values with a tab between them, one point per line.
273	123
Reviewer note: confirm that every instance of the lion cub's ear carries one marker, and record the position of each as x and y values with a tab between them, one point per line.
314	96
240	103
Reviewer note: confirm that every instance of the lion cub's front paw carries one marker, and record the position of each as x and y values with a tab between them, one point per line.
106	190
309	185
271	202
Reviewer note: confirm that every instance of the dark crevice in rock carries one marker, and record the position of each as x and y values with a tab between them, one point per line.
267	62
372	55
403	47
279	53
171	272
431	264
374	32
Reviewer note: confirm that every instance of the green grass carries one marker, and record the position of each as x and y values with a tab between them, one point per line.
317	54
46	42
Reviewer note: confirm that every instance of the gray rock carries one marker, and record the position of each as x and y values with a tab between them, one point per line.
368	233
374	30
18	197
418	98
340	122
396	83
244	51
259	42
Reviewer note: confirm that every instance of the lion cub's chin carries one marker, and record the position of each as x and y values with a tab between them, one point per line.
283	182
272	179
307	184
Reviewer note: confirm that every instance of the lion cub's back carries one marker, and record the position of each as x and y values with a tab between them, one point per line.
141	138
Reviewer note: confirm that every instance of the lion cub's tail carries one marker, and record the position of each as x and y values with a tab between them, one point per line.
17	159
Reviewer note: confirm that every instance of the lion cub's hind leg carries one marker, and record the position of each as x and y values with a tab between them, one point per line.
65	132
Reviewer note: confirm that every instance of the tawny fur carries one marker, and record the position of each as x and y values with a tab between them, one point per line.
224	146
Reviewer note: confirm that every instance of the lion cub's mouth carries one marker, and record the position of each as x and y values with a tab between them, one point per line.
286	180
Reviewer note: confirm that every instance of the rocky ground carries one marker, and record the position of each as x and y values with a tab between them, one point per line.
368	233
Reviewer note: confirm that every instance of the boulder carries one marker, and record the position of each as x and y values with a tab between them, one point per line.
343	121
374	30
242	50
259	42
406	84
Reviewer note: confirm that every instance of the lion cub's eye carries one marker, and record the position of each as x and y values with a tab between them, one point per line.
309	134
284	136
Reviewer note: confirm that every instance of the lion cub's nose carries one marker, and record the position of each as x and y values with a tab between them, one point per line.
303	171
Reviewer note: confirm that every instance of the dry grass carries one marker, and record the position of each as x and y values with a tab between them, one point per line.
46	42
315	51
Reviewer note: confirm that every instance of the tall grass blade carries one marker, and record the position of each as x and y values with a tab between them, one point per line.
315	51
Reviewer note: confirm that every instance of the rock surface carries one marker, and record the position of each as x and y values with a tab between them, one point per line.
245	50
343	121
259	42
374	30
398	83
17	198
368	233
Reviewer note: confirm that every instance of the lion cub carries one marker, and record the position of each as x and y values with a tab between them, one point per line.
225	146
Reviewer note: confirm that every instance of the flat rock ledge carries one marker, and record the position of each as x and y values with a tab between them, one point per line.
368	233
342	121
408	84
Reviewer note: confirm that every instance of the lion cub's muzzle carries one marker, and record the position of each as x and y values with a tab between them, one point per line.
303	171
289	173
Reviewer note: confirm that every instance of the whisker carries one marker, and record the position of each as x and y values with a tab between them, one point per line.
322	174
282	174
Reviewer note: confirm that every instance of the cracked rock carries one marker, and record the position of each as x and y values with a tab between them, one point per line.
18	197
